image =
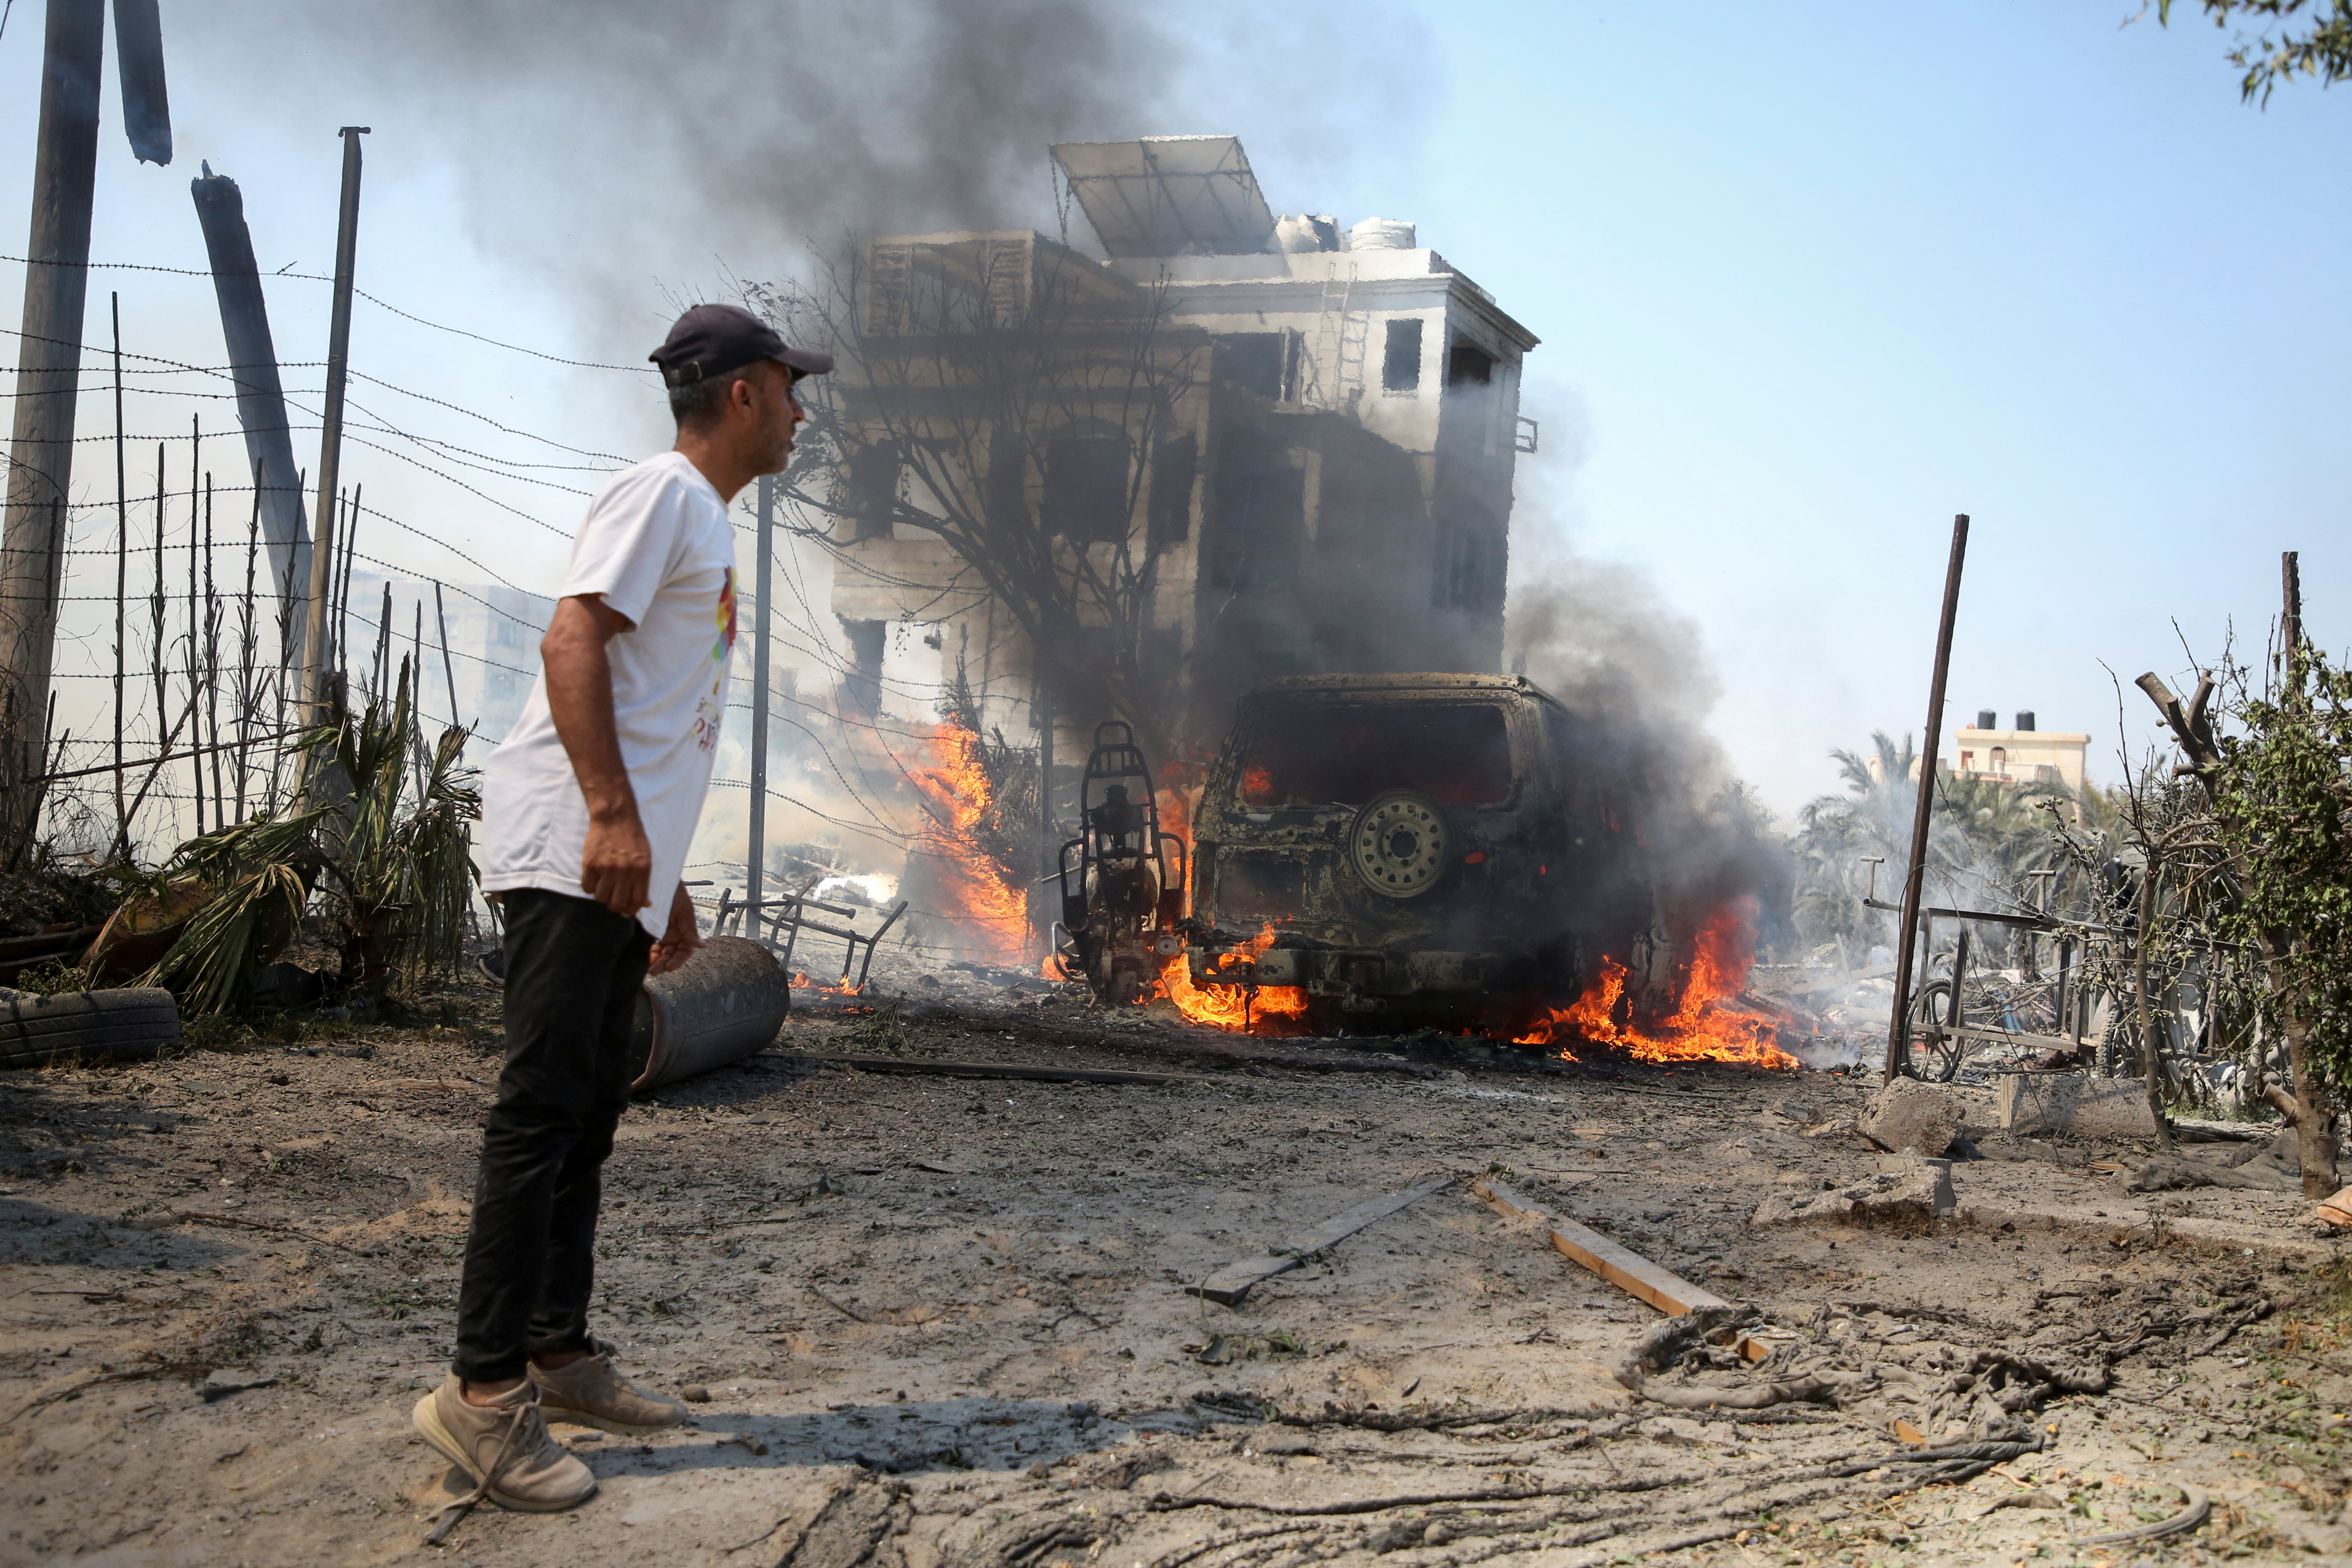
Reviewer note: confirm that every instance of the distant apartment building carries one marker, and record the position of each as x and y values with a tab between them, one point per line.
2019	755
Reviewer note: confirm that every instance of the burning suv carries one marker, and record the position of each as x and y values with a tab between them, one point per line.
1390	851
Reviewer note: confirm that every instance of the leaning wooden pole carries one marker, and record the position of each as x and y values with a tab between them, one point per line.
1898	1028
40	466
260	394
315	631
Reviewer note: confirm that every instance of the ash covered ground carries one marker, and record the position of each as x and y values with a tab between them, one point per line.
942	1321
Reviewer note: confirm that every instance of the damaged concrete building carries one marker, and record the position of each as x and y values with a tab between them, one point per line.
1235	446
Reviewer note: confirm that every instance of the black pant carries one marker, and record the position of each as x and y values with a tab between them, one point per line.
574	970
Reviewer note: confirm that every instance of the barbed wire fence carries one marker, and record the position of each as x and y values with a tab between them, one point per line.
173	694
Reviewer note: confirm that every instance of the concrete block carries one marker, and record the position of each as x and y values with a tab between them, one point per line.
1940	1175
1907	1199
1908	1117
2075	1103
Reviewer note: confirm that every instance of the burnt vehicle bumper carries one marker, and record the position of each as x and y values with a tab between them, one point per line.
1366	980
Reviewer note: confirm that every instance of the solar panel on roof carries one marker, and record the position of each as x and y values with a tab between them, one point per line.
1168	195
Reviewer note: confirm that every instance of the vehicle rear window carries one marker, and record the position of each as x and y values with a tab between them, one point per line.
1320	754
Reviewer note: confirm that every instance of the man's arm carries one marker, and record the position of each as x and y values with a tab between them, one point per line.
618	861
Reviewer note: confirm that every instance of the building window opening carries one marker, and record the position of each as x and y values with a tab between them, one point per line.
1469	365
1400	363
1253	360
1086	498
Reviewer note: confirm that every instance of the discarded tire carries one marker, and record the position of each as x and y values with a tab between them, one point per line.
127	1026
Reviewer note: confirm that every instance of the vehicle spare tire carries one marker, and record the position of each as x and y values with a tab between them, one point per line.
127	1025
1400	844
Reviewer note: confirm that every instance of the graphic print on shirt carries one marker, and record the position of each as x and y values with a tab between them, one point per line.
711	710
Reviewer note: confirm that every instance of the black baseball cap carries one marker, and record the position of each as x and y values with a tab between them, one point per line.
710	340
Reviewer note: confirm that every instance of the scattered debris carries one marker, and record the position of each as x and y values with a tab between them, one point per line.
1228	1286
1629	1271
2274	1167
1003	1070
2075	1103
1908	1199
1667	1343
1908	1117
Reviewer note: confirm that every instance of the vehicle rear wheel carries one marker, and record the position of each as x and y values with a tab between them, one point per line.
1400	844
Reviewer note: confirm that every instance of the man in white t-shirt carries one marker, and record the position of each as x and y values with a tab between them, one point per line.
587	811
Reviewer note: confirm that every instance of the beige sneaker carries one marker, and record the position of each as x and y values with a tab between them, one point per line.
591	1392
504	1446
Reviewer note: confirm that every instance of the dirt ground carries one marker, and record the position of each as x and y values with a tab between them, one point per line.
942	1321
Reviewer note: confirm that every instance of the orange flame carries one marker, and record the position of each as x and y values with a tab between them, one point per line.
1175	798
1235	1007
1707	1024
841	988
970	887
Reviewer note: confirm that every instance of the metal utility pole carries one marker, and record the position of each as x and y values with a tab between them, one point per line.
1048	857
756	865
316	654
40	469
1898	1028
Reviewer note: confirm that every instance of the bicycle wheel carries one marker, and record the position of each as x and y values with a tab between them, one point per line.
1932	1056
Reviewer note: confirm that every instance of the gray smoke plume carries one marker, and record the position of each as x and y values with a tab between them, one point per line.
624	146
1598	636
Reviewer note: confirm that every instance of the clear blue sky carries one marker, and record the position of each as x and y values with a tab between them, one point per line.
1813	277
1810	278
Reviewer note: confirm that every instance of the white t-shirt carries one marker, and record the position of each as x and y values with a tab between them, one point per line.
657	546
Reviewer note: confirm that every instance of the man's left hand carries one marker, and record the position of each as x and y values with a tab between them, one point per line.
678	943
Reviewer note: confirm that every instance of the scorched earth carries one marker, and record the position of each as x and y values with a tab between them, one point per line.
930	1320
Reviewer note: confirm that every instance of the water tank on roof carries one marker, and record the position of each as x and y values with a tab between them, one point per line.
1300	232
1986	719
2025	719
1381	233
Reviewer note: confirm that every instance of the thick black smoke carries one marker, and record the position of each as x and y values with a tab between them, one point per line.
1599	637
631	147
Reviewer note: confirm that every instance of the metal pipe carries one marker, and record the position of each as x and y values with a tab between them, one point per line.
756	864
727	1002
1899	1030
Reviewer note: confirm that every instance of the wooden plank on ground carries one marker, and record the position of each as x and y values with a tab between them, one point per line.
1628	1270
1003	1071
1228	1285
